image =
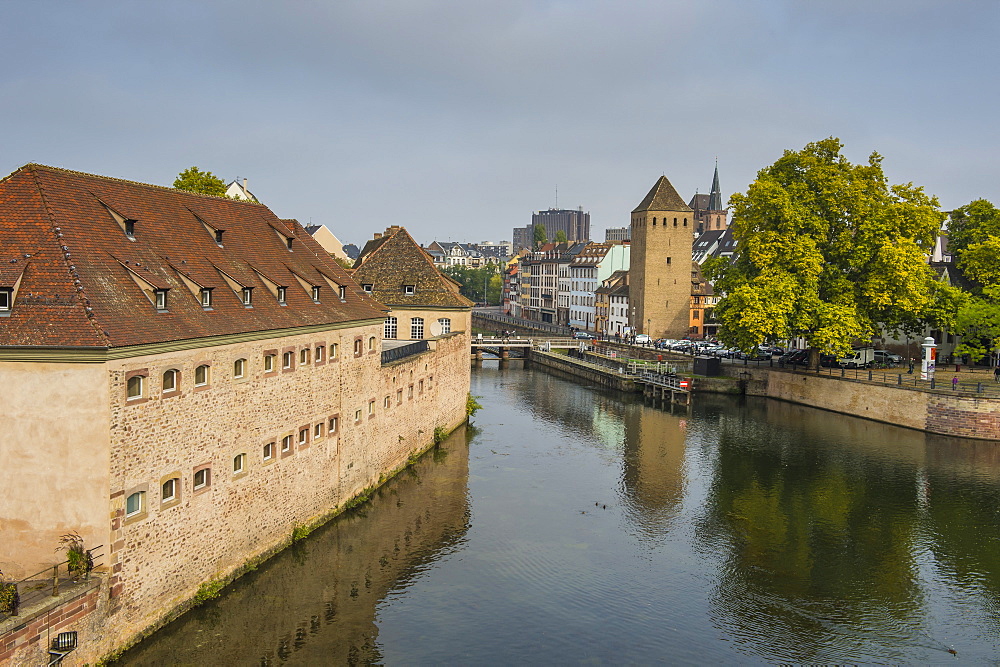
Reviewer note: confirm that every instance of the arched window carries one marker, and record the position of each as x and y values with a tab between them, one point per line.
201	375
239	368
371	343
171	380
135	387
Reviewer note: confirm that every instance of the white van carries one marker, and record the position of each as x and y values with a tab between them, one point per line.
862	358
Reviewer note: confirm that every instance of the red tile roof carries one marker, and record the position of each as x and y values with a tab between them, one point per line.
81	274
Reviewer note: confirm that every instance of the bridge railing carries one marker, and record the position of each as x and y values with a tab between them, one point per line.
403	351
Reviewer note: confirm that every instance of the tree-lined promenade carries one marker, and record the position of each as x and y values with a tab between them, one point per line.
832	253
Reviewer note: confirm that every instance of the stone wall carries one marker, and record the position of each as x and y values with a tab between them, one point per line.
380	416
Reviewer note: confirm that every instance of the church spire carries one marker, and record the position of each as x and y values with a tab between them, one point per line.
715	199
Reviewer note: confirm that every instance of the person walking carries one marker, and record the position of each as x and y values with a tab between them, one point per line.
996	373
911	366
954	383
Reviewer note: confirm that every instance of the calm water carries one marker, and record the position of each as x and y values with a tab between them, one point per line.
572	526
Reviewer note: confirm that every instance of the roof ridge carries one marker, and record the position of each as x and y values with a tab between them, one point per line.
31	166
56	230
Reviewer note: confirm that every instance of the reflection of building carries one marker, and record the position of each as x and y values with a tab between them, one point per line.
653	460
660	271
322	598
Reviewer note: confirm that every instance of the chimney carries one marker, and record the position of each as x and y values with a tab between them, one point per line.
378	235
245	191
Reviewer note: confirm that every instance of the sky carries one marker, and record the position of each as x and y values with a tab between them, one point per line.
458	119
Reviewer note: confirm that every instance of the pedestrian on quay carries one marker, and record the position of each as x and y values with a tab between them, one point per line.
996	373
911	366
954	383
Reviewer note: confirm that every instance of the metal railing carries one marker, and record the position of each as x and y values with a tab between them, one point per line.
43	584
403	351
500	318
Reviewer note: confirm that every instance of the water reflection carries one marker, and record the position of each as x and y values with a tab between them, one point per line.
316	602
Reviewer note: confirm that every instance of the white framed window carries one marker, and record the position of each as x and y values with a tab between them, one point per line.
201	375
206	298
304	355
385	402
357	415
320	352
247	295
170	380
332	425
333	350
135	503
315	293
371	407
239	368
343	293
168	490
282	293
135	387
202	478
160	296
268	363
286	444
269	451
391	327
409	289
368	287
5	298
371	343
239	463
318	430
416	328
303	436
445	324
288	359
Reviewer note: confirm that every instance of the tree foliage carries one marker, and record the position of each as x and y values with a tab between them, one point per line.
828	250
974	240
560	237
473	282
540	236
203	182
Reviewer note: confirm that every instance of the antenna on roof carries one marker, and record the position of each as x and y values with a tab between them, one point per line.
557	196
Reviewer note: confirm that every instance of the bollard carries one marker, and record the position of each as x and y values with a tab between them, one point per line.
979	387
899	380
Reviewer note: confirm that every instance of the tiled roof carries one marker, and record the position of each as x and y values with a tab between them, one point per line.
662	197
393	260
86	283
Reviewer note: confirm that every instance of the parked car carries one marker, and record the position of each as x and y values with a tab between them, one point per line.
887	358
584	335
828	361
643	339
795	357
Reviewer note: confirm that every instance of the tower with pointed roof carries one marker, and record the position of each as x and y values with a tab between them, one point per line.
710	213
660	267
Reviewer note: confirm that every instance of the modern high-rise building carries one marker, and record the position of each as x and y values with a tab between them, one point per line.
660	273
575	224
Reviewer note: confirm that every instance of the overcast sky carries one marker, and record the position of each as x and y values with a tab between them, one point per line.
457	119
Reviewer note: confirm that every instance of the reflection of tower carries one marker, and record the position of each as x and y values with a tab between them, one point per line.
660	273
653	466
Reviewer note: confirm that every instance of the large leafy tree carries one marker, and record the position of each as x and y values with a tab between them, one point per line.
540	236
829	251
204	182
479	284
974	240
560	237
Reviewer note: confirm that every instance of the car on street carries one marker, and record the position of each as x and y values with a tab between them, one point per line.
643	339
583	335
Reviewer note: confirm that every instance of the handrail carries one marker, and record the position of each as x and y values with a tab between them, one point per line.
35	591
403	351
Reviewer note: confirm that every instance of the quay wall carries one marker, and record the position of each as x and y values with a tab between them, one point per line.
574	368
954	414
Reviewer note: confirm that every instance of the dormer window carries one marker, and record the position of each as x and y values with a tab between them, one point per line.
282	293
247	295
288	242
206	297
218	235
409	289
367	287
130	228
343	293
160	297
6	295
315	293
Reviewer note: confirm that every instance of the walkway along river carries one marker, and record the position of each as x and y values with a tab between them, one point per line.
572	525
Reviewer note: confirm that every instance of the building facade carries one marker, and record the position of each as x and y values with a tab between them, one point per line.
660	271
206	378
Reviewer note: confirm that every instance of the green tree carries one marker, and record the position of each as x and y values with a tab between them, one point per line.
974	240
560	236
539	236
204	182
483	284
828	251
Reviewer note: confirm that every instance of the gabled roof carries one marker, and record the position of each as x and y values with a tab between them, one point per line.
392	260
662	197
87	283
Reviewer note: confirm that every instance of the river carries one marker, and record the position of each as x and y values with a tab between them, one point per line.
568	525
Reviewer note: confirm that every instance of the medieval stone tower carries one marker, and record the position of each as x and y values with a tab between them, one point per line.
660	268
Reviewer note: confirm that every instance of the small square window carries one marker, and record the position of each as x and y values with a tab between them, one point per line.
135	503
202	478
269	451
239	463
161	299
409	289
368	287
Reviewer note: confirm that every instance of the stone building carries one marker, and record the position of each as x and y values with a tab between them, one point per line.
185	379
660	270
709	212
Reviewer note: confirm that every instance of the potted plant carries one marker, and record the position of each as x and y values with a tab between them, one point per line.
79	561
9	599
